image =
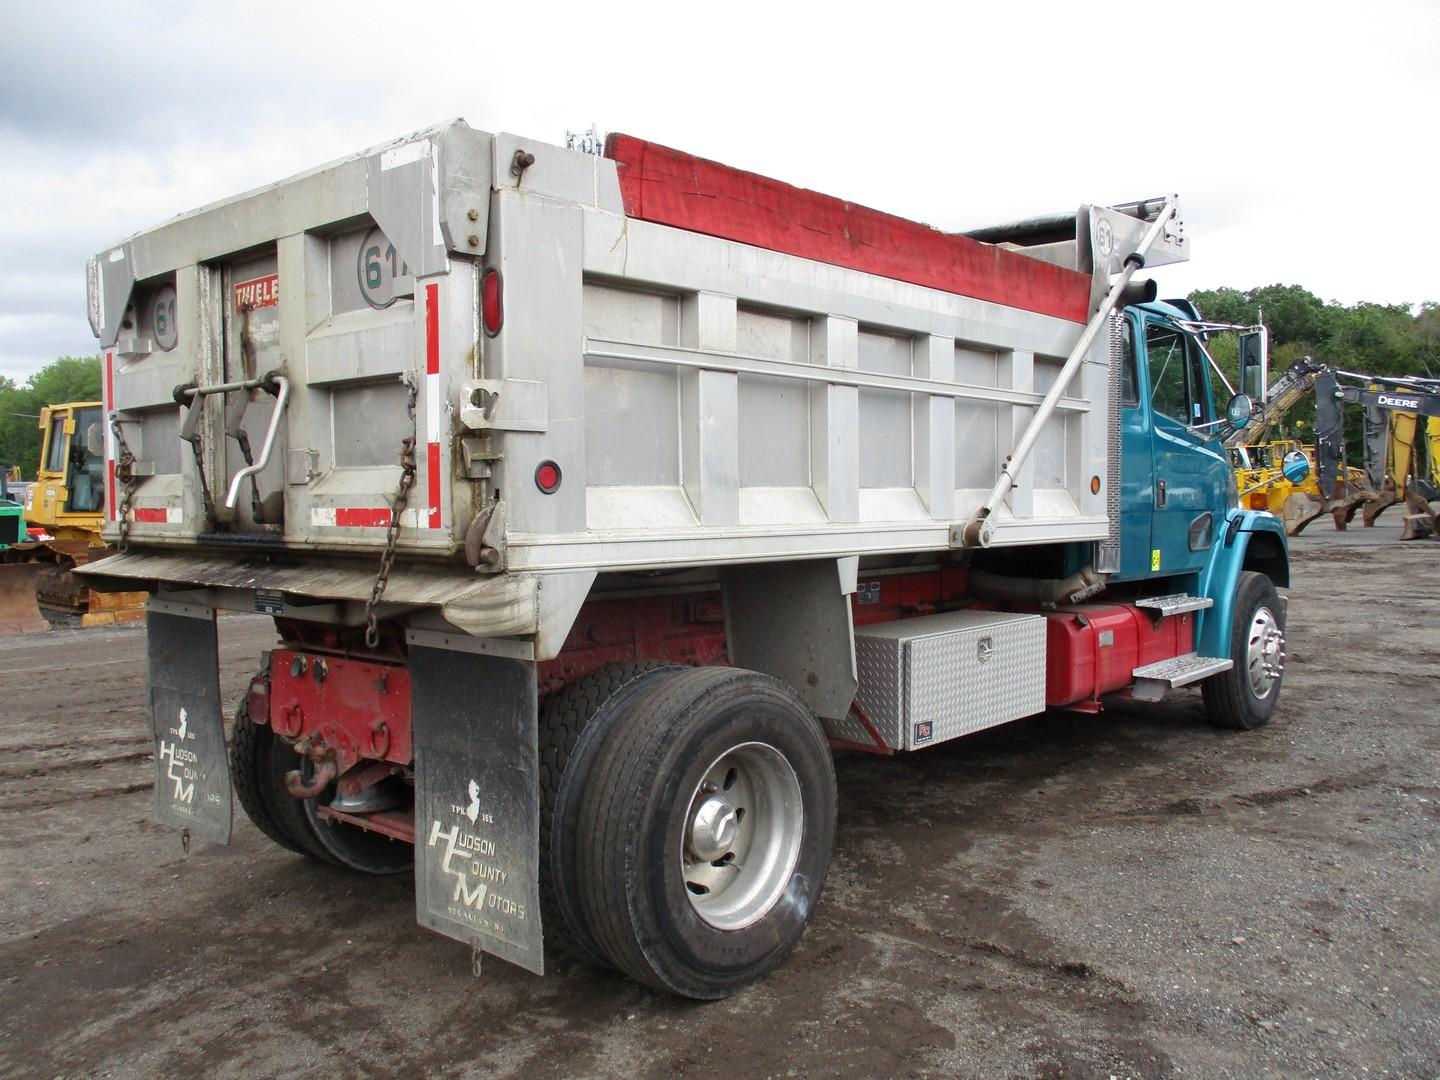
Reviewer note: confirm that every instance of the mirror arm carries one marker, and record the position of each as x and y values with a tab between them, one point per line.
1201	427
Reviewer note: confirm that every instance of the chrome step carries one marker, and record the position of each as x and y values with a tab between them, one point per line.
1175	603
1152	680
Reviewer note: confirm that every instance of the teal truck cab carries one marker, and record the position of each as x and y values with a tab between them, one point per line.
1182	527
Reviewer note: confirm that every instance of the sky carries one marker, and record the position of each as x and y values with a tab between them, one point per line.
1300	137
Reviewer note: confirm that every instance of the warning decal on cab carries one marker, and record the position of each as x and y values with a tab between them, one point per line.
257	293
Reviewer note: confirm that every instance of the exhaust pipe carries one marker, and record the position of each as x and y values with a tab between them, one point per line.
1138	292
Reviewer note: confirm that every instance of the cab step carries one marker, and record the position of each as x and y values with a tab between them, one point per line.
1153	680
1174	604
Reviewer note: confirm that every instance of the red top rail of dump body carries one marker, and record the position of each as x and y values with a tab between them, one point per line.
670	187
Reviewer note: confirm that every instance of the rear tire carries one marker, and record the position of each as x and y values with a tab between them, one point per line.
258	764
1244	697
573	725
709	823
259	760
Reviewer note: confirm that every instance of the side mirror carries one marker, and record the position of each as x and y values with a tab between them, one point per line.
1296	466
1255	363
1239	410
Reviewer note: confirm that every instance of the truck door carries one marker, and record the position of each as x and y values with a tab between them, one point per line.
1137	476
1190	475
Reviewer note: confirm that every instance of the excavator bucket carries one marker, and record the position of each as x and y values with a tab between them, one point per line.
19	613
1420	519
1300	509
1379	504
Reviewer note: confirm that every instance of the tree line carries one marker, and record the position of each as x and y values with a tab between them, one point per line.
1366	338
70	378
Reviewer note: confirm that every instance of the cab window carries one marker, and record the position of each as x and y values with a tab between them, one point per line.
1177	383
1129	386
55	461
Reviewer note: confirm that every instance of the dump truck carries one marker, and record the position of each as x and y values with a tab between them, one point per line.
597	499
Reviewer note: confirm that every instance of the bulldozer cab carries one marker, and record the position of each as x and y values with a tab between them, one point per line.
70	483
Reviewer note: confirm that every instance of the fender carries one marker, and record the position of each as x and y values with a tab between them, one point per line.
1251	540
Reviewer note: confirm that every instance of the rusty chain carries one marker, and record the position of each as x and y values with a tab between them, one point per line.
125	473
392	532
392	537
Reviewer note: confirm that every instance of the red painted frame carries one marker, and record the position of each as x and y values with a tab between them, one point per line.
357	709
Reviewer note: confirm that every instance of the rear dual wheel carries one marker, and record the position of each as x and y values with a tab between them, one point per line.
706	819
259	761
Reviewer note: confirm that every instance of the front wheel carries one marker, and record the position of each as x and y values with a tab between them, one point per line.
1244	697
706	831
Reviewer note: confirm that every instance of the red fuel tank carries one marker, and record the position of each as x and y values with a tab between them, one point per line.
1092	649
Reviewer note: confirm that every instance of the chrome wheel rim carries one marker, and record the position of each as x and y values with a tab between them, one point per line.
741	841
1265	652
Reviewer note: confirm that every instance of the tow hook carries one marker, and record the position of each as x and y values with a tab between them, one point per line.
323	778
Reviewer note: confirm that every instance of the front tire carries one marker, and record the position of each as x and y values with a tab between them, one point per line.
709	822
1244	697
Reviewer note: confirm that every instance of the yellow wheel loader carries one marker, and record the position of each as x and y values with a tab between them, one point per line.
1262	485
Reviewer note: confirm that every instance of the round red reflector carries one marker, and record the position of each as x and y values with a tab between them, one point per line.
492	301
547	476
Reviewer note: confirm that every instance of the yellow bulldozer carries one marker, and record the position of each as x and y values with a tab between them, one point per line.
64	510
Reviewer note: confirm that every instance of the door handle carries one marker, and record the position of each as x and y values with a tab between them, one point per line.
1159	492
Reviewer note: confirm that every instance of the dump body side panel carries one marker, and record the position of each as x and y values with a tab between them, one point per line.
650	396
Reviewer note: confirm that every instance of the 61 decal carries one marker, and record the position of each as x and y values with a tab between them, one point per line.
381	271
162	318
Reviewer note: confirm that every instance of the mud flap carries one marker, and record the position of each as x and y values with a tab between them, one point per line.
477	801
192	778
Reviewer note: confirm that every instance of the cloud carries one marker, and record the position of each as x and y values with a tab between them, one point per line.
1299	145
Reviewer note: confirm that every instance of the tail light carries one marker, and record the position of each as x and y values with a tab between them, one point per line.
258	694
492	301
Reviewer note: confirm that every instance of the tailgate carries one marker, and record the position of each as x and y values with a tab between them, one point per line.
275	364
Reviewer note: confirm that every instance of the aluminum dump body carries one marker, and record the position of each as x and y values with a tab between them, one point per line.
639	361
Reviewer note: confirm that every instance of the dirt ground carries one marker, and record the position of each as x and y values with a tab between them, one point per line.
1133	894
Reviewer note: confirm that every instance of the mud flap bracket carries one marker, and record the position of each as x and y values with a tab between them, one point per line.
477	799
192	779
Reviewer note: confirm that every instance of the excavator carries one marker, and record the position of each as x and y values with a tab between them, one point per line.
1401	459
1402	448
63	511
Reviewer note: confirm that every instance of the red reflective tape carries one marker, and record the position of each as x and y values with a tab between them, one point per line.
149	515
432	329
432	472
669	187
110	503
364	517
432	367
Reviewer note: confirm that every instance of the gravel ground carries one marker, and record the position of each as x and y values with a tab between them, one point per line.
1133	894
